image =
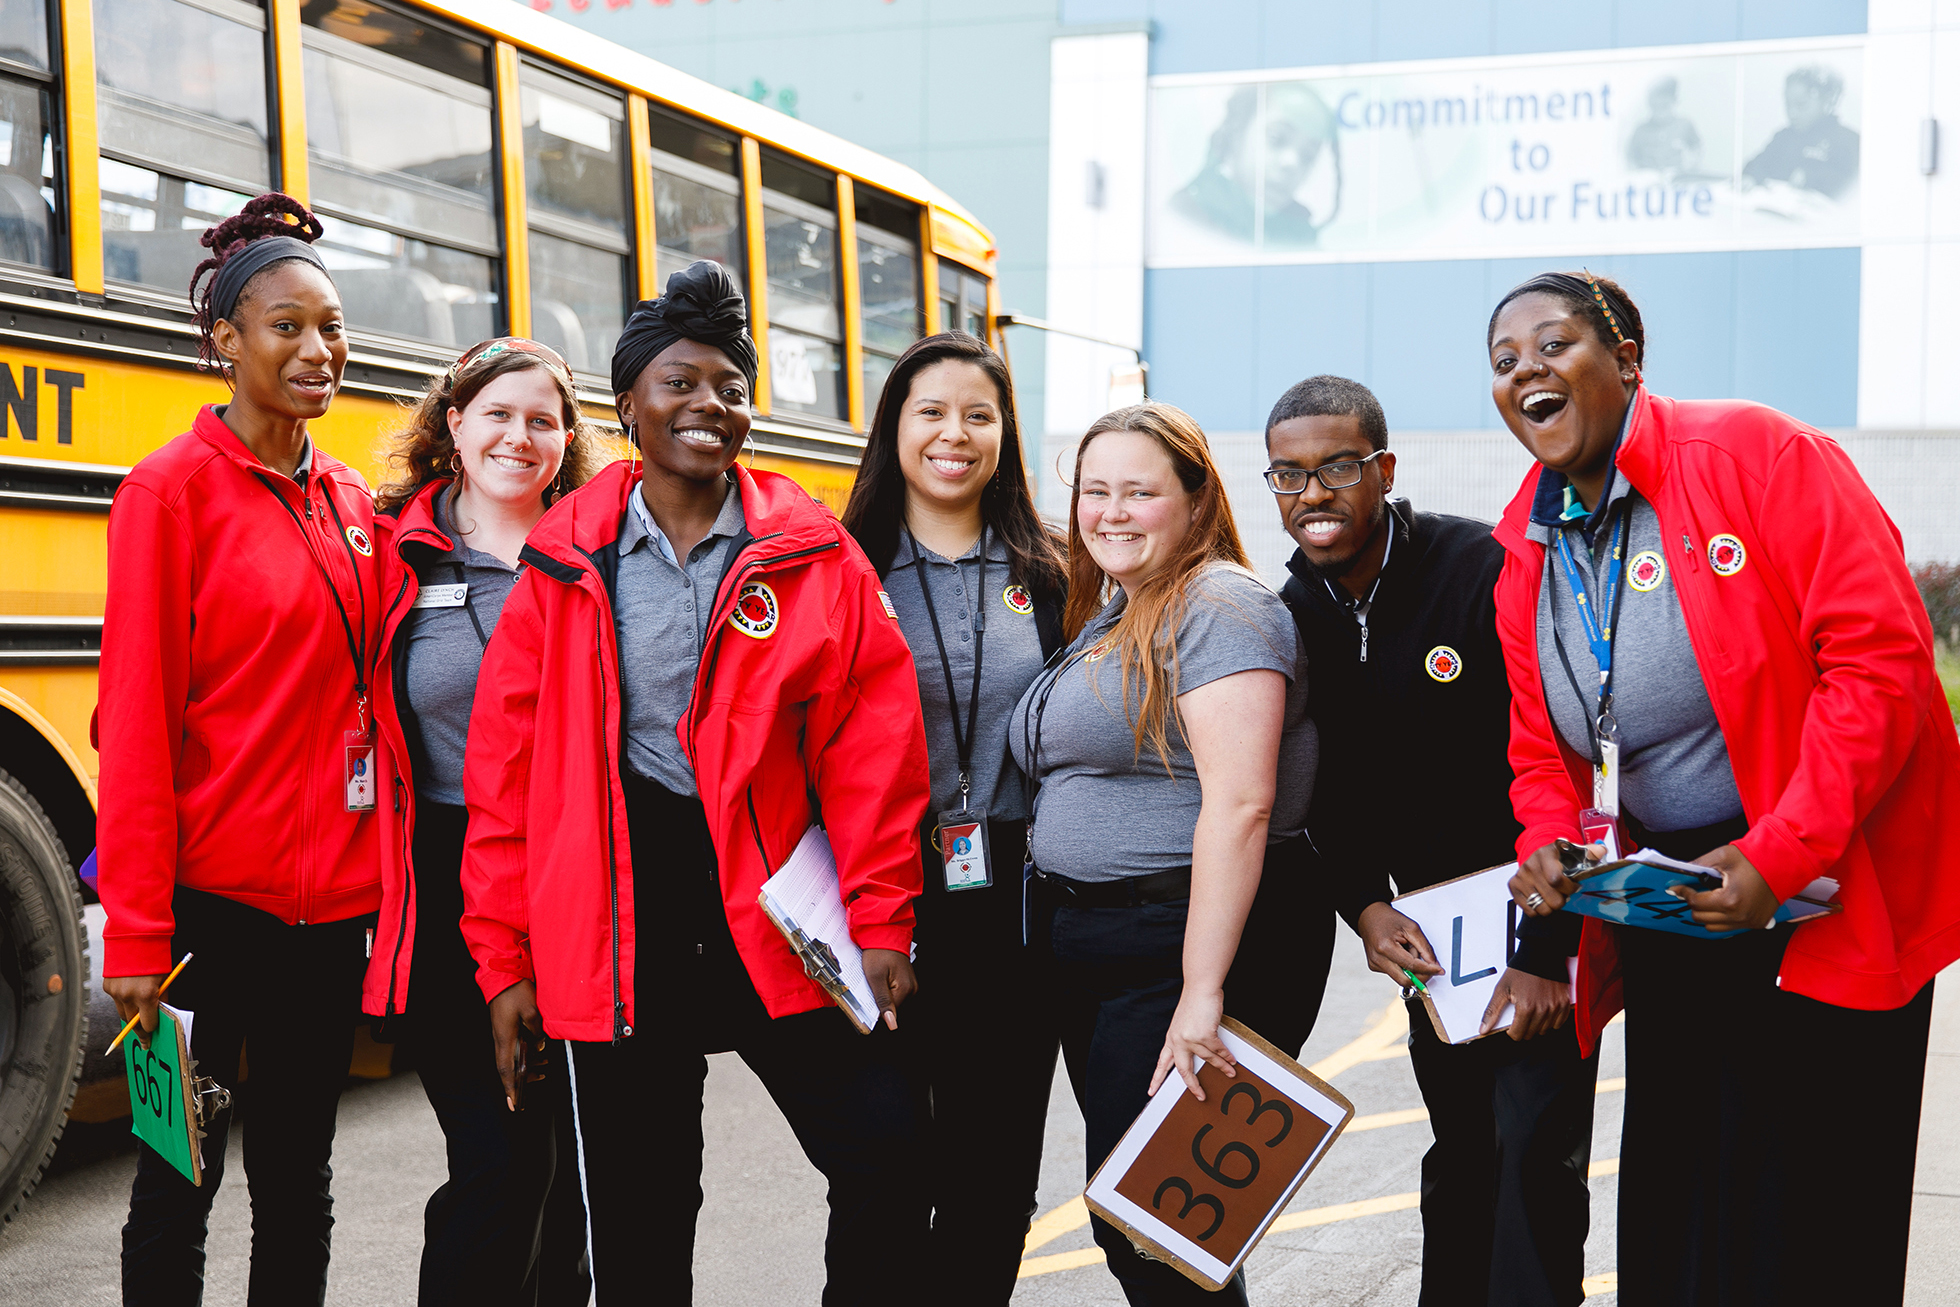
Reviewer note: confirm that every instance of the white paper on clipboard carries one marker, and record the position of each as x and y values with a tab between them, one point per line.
1470	922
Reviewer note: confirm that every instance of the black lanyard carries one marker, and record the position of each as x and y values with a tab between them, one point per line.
469	606
962	740
356	649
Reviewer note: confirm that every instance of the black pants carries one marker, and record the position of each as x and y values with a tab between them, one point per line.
981	1010
1279	975
292	994
1505	1207
637	1102
1117	976
1769	1144
508	1225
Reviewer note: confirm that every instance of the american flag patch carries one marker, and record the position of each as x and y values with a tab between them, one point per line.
886	600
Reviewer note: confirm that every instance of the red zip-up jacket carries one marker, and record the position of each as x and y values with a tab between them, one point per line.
811	693
226	688
1818	657
385	992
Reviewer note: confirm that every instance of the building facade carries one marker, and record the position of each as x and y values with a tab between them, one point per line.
1255	191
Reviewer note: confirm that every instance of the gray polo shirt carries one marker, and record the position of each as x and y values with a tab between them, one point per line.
660	612
1010	660
1104	811
1674	763
445	650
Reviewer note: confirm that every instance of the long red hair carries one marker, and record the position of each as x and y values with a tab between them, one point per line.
1145	637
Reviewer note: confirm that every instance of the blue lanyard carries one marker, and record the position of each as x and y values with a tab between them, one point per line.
1600	627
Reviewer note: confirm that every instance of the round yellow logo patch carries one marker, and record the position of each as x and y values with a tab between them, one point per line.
1443	664
1726	555
1646	571
755	612
359	539
1018	598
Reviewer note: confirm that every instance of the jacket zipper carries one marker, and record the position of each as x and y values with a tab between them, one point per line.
1363	620
408	892
620	1029
755	828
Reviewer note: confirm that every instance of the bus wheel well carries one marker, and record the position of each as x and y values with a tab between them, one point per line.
36	764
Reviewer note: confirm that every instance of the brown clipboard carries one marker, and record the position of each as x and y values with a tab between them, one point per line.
1246	1224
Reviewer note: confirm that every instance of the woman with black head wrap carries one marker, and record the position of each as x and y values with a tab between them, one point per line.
238	783
697	661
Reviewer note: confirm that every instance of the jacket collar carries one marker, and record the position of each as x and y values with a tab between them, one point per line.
774	508
211	429
1639	458
1402	550
415	521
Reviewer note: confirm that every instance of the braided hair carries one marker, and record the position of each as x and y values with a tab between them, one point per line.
1600	300
272	214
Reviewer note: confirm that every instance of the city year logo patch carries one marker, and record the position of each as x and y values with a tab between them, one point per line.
1443	664
1646	571
359	539
1097	650
755	613
1018	598
1726	554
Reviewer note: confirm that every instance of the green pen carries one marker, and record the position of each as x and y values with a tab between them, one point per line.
1416	981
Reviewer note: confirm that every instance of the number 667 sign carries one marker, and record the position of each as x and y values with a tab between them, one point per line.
1197	1183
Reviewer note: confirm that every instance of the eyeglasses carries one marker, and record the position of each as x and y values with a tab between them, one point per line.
1335	476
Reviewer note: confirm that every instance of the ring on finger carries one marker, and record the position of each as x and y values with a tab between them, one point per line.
1535	901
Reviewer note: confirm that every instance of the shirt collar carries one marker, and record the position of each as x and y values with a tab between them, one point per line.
996	549
1348	601
1556	504
640	525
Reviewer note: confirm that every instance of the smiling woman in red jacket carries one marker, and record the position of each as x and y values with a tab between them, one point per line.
1770	698
693	664
238	782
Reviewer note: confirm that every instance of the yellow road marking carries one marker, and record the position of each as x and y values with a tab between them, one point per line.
1598	1284
1383	1040
1050	1226
1409	1116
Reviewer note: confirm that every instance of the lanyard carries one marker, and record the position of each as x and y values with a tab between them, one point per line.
962	739
1598	636
356	650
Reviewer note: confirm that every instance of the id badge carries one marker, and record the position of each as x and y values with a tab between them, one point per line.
1606	778
1602	828
359	776
963	848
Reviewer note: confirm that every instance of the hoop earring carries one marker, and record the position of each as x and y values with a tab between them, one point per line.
748	443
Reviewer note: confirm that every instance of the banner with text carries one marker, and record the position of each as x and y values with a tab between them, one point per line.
1703	148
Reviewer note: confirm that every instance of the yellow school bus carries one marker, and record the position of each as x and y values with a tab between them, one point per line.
482	170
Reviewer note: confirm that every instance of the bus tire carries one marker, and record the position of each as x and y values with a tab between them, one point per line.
43	992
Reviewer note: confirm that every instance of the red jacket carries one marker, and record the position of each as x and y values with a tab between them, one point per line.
386	991
226	686
1818	657
818	698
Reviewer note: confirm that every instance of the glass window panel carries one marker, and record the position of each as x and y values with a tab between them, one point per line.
799	180
182	86
398	143
406	287
694	221
804	376
887	213
151	223
888	288
375	26
574	150
687	139
578	300
27	196
877	370
24	32
802	273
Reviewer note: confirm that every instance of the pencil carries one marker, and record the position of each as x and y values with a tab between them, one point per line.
1415	980
117	1041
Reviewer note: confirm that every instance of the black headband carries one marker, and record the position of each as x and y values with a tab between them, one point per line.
249	262
704	303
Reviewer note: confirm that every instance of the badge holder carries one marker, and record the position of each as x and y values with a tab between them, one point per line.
358	749
961	841
1601	823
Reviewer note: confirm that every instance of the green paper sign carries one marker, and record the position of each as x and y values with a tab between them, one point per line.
157	1093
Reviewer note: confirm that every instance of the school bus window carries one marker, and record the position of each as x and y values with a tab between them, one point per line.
575	179
399	133
181	108
697	196
888	285
27	192
962	300
806	340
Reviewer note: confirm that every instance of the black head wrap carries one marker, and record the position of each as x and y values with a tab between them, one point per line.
248	262
704	303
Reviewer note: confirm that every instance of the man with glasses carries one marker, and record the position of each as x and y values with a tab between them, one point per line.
1408	690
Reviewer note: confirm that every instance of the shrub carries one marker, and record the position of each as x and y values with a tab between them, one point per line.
1939	586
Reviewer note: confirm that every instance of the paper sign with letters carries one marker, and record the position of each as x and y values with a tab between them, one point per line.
1471	922
1198	1183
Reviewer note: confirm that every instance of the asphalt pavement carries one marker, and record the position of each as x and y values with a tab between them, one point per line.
1351	1236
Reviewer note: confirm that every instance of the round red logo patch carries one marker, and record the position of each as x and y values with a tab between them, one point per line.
359	539
1018	598
755	613
1726	555
1646	571
1443	664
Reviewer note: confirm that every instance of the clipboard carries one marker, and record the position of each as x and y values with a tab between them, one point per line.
1633	891
804	902
1472	923
1196	1184
162	1097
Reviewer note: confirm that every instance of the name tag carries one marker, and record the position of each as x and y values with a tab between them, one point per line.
442	596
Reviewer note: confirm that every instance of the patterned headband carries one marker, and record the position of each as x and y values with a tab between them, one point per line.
490	349
1599	298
